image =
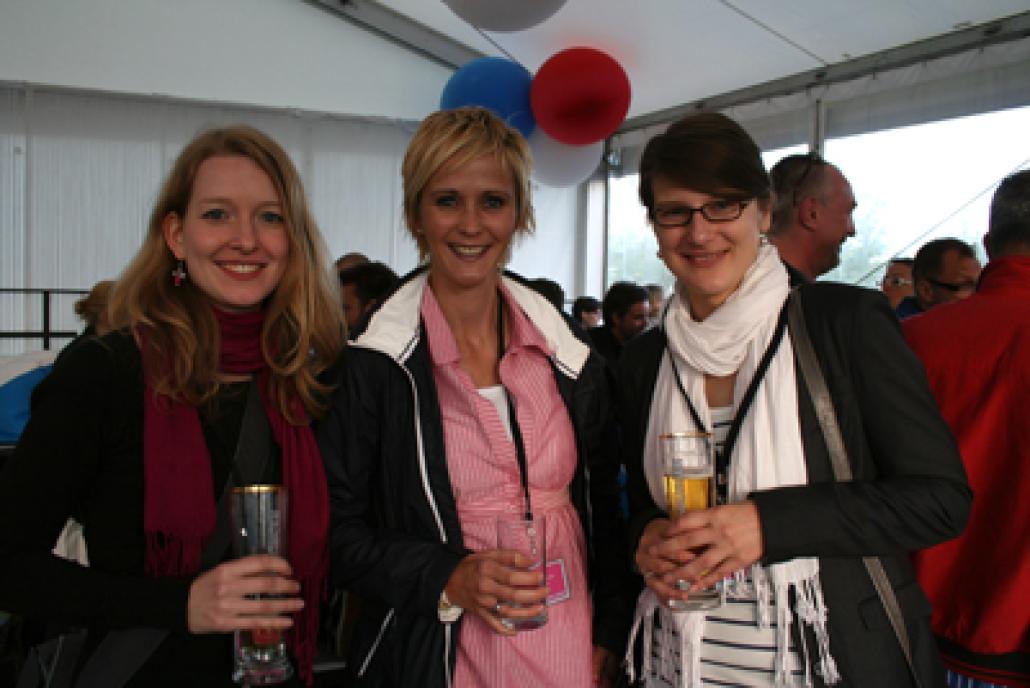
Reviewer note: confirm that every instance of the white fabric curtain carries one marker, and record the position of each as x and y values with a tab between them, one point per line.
79	173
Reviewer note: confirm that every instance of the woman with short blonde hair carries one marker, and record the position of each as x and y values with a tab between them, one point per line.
457	137
468	399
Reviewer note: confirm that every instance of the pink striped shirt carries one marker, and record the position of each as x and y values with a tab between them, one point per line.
484	475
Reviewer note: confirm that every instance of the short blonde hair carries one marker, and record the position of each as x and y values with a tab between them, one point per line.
456	138
303	329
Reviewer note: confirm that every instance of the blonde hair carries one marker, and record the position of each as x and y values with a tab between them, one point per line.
179	336
456	138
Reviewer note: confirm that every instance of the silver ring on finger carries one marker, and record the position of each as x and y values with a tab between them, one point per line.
497	608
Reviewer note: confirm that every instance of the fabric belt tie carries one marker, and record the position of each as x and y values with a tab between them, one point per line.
544	501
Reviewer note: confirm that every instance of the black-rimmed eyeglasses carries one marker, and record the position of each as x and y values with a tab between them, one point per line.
811	160
719	210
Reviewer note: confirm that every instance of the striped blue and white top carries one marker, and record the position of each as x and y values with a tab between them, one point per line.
734	651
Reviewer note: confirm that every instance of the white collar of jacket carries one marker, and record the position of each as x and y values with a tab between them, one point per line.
395	327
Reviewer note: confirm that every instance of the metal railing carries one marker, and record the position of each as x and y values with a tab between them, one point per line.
46	333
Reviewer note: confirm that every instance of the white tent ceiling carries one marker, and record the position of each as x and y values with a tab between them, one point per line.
680	51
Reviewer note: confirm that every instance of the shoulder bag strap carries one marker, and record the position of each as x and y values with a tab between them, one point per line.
815	383
253	449
122	653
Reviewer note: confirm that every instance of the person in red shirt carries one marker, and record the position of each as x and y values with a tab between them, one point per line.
977	357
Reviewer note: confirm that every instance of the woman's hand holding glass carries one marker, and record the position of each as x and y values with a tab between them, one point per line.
487	583
224	599
701	547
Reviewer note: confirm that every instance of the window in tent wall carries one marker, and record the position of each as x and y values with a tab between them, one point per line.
632	247
924	182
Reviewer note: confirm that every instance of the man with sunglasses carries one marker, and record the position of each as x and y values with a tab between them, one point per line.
812	215
977	358
944	270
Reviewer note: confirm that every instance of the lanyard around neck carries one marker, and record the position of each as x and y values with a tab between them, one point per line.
516	431
722	458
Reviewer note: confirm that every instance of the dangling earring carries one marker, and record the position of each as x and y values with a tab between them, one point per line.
763	239
659	254
179	274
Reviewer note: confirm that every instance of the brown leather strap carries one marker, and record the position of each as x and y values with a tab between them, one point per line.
815	383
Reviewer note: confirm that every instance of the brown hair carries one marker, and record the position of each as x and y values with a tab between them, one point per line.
303	328
458	137
91	307
706	152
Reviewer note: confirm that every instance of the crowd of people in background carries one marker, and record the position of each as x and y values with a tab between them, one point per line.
408	413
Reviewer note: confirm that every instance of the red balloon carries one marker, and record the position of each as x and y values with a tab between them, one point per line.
580	96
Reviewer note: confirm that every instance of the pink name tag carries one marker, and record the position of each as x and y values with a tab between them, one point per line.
557	582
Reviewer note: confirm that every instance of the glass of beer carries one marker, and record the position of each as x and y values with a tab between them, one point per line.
529	538
688	466
259	514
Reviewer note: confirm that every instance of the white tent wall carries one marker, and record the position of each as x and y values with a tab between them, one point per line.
85	142
79	173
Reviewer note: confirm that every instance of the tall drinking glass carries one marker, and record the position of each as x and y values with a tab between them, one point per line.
259	525
529	538
688	464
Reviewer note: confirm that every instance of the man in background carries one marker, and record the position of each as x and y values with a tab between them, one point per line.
362	288
655	300
944	270
550	290
587	310
349	260
977	357
625	308
897	280
812	215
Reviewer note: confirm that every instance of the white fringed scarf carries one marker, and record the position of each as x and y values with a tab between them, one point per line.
768	454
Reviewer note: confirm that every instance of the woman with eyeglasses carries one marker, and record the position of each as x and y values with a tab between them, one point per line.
784	539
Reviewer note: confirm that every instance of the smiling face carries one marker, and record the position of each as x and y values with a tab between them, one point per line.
708	258
833	221
467	216
232	237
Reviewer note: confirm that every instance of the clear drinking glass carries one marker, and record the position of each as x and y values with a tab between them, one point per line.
528	537
688	465
259	526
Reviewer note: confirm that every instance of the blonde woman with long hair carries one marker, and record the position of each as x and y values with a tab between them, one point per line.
135	432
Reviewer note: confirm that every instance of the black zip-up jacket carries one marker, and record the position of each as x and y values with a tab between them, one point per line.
395	537
909	489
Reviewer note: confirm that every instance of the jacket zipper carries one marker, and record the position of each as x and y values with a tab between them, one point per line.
375	645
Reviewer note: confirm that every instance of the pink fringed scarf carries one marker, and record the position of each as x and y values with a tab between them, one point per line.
179	507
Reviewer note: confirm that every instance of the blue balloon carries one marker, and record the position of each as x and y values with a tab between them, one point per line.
496	84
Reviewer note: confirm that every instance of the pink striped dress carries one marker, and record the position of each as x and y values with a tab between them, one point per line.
484	474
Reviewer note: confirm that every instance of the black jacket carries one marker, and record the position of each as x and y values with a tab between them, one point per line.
909	489
395	535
